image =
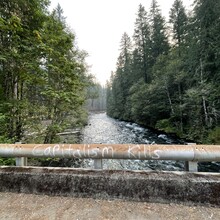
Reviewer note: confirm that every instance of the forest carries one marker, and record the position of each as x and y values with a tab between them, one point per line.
168	73
43	73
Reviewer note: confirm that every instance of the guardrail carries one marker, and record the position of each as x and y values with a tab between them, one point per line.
190	153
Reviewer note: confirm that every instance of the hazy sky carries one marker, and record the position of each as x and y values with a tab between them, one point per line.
99	25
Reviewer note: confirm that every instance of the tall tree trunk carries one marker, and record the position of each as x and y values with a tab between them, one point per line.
180	107
169	98
203	97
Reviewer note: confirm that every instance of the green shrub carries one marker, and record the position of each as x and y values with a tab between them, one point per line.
7	161
165	125
214	136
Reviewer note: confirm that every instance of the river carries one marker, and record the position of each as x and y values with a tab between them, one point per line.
103	129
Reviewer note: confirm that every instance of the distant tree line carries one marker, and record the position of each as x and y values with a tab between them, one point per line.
42	71
168	74
96	97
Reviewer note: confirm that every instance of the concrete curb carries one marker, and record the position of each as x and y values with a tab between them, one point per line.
203	188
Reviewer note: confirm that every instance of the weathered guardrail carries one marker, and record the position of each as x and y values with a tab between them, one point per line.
192	153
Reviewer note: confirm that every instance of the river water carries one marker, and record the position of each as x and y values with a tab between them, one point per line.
103	129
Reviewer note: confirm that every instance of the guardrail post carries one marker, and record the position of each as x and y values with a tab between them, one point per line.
191	166
20	161
98	163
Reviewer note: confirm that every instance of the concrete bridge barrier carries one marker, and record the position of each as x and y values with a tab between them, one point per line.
152	186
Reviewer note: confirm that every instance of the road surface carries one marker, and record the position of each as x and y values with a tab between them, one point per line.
33	207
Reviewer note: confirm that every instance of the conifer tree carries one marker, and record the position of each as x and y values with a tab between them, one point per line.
142	42
159	40
178	19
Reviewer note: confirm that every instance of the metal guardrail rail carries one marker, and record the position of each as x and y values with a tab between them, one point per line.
192	153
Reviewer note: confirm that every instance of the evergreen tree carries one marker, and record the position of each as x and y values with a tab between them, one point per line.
178	19
21	48
59	14
142	43
122	79
159	41
109	96
63	90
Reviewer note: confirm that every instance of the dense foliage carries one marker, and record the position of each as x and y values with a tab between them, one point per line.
169	76
42	72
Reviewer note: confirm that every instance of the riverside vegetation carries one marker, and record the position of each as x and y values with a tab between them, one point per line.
168	77
44	82
43	74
